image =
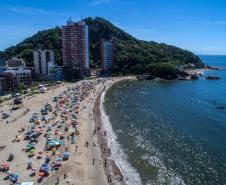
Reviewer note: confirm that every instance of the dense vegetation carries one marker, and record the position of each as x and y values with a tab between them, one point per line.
131	55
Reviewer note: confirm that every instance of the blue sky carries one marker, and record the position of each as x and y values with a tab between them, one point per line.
196	25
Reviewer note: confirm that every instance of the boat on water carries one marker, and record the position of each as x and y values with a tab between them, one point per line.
213	78
220	107
183	78
194	77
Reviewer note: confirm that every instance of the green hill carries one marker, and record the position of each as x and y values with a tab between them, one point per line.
131	55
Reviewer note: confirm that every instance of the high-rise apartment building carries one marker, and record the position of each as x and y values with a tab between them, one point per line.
75	45
43	61
107	54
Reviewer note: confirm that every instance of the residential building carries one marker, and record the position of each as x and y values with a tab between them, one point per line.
10	81
56	72
43	61
15	62
22	75
75	45
2	66
15	72
2	84
107	54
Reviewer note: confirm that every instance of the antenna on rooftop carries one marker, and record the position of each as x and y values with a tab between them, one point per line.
69	22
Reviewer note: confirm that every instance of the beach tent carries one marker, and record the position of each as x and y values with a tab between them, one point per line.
66	155
27	183
45	167
14	178
5	167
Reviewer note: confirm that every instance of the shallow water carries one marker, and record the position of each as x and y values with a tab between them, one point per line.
172	131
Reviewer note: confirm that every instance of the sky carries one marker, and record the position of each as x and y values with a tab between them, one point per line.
195	25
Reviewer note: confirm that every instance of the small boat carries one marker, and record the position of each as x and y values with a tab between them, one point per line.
220	107
213	78
194	77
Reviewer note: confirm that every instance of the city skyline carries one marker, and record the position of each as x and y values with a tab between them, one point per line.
193	25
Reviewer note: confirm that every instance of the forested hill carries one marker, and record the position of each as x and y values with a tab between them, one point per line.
131	55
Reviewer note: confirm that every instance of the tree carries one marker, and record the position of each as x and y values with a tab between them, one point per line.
21	86
132	56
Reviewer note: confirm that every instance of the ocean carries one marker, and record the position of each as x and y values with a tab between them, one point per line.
170	132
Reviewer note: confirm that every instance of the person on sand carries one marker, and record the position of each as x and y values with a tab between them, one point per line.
87	144
94	132
93	161
68	138
121	178
76	148
109	178
105	162
57	181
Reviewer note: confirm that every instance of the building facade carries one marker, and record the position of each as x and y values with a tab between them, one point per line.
21	75
2	65
75	45
2	84
57	72
43	61
15	72
15	62
107	54
10	82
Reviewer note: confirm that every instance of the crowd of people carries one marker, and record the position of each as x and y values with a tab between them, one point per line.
49	133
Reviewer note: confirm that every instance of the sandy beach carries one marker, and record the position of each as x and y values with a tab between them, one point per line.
88	163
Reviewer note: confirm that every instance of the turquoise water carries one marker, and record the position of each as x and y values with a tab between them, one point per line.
172	131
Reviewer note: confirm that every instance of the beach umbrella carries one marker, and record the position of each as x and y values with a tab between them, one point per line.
14	178
31	152
54	149
49	155
41	174
6	165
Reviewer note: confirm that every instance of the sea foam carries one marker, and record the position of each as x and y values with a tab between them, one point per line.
130	174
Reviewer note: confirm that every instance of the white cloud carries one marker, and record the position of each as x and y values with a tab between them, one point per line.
99	2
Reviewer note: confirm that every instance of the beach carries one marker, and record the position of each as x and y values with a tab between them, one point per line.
86	164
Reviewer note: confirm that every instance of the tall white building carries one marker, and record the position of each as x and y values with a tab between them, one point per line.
43	61
107	54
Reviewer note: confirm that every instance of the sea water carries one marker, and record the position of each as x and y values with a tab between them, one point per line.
171	132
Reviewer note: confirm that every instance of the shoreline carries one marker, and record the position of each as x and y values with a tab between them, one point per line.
114	160
111	169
